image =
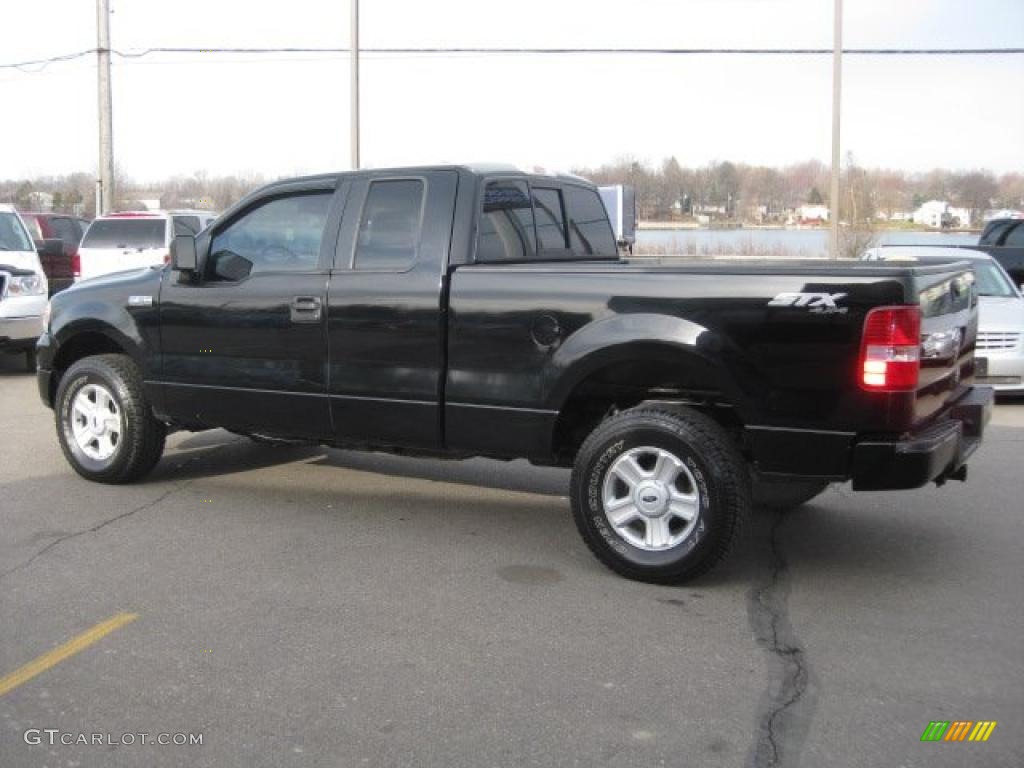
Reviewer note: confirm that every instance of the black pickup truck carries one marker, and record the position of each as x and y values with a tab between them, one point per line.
481	311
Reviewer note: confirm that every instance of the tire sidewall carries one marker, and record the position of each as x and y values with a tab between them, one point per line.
79	376
591	510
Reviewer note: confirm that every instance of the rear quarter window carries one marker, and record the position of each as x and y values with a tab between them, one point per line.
590	233
125	233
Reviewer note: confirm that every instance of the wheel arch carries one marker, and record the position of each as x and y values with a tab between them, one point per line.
630	359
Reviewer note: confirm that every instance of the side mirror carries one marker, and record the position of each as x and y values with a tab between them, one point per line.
50	248
183	253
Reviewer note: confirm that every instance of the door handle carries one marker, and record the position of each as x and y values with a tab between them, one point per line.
306	309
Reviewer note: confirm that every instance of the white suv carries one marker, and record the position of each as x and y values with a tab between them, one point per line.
135	239
23	288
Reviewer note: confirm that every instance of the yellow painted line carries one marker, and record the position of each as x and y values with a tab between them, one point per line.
62	652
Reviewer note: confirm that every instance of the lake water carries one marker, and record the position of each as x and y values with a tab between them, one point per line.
802	242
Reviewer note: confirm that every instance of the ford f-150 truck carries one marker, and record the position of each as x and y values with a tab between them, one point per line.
481	311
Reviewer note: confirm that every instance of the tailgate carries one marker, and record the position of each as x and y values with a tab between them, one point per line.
949	329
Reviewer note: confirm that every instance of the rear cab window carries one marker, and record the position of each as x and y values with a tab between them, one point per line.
538	221
126	233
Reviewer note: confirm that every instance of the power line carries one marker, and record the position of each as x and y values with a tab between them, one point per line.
428	51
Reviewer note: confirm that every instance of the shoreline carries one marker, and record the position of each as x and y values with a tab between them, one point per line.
687	226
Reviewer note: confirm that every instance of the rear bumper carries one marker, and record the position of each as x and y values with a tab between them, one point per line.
937	453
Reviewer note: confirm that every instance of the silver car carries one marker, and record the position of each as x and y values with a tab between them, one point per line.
1000	350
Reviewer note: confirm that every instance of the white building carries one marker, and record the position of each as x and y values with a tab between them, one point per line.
960	217
812	213
934	214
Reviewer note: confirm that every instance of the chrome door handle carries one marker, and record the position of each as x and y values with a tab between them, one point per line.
306	309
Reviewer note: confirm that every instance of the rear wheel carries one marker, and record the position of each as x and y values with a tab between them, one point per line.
105	425
659	495
785	494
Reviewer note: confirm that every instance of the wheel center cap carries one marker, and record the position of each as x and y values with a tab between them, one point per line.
651	499
96	426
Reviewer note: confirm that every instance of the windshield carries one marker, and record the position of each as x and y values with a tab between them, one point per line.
125	233
13	236
992	281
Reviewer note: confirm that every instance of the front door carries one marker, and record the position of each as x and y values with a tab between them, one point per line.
245	347
386	323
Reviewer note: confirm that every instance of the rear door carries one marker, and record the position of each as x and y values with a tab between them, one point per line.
245	347
385	309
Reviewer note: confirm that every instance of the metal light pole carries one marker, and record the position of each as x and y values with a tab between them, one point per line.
837	86
354	87
106	165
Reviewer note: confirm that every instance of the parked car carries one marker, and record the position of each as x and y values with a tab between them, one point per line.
61	268
461	311
23	287
999	359
120	241
1003	240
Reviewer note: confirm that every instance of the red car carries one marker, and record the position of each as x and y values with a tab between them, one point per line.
60	270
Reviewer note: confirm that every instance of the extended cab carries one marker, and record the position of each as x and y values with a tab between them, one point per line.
461	311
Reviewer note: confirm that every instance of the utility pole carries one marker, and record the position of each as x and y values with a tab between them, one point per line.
354	87
105	198
837	87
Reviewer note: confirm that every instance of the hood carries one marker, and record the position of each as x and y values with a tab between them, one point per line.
21	260
116	288
997	313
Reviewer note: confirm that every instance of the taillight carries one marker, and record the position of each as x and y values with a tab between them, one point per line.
167	258
890	350
76	265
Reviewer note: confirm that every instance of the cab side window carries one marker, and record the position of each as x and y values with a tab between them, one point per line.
389	231
280	235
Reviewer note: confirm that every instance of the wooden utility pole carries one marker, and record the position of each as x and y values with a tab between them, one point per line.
837	87
105	198
354	86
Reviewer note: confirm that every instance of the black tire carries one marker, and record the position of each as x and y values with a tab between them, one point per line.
30	359
782	495
717	474
141	441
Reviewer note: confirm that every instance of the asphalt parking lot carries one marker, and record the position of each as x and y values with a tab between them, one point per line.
303	606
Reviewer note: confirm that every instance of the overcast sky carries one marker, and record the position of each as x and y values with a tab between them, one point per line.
288	114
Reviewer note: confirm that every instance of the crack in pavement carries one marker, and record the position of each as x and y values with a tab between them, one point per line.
180	486
93	529
788	702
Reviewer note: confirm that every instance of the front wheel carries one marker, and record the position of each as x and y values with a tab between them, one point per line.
105	425
659	495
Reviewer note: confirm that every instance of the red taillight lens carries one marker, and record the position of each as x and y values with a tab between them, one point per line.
890	350
167	258
76	265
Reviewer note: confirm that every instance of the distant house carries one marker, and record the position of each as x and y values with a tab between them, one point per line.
960	218
935	214
808	213
40	201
